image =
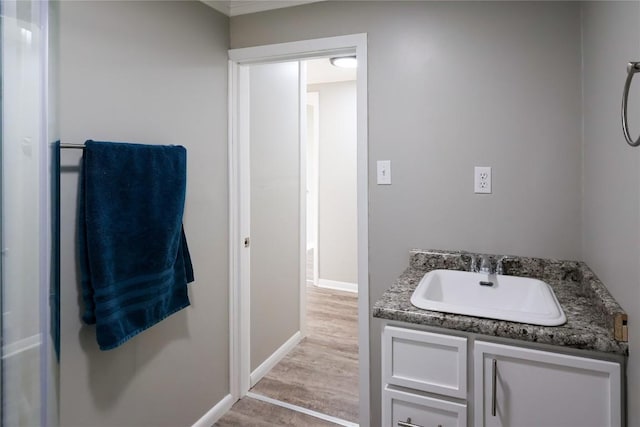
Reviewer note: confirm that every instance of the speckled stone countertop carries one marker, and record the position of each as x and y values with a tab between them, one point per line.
595	321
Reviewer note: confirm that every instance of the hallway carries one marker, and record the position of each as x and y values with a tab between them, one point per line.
320	374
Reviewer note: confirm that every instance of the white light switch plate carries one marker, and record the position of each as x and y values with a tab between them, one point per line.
384	172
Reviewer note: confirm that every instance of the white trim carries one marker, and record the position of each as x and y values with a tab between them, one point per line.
302	194
215	413
235	7
296	51
252	6
308	49
325	417
363	229
313	99
275	358
239	256
234	232
219	5
340	286
244	213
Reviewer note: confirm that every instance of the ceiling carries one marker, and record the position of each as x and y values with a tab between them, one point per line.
321	71
318	70
242	7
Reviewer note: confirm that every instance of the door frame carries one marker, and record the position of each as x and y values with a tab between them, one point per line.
313	98
239	327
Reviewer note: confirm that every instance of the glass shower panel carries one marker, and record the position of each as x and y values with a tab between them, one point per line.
25	201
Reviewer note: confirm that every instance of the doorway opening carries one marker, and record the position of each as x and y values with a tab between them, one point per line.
320	373
332	237
280	201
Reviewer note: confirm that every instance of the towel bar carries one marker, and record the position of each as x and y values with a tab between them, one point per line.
632	68
76	146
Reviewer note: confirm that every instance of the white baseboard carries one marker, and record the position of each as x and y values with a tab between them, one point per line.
340	286
273	360
215	413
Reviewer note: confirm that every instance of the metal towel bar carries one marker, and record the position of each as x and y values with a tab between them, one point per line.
76	146
632	68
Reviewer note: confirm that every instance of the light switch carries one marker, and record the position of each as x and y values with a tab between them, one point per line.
384	172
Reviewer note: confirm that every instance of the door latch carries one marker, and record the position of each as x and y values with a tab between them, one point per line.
247	242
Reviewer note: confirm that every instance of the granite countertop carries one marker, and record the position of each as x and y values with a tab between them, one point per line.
595	321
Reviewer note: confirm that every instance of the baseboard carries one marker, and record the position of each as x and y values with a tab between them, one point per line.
273	360
310	283
215	413
340	286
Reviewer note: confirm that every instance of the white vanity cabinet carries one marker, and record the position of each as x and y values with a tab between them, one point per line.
415	366
426	383
529	388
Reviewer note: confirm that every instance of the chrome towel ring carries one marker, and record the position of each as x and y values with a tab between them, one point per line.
632	68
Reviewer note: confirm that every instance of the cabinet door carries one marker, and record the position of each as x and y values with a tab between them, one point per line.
517	387
404	409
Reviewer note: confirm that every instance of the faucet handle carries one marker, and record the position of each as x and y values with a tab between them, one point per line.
500	263
474	263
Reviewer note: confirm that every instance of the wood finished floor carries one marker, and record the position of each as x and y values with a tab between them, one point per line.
250	412
320	374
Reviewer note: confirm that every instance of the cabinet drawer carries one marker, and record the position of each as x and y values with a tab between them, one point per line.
402	407
425	361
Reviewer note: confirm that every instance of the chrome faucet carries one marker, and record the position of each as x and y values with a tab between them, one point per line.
485	265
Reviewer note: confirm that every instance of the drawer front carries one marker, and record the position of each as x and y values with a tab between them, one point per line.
425	361
403	409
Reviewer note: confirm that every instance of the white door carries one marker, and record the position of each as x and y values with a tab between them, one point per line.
530	388
274	207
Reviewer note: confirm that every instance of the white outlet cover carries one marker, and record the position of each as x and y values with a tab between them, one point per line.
482	180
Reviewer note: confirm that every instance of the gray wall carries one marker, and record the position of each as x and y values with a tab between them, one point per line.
454	85
611	173
338	233
149	72
275	207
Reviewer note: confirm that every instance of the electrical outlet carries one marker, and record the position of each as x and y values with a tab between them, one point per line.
482	179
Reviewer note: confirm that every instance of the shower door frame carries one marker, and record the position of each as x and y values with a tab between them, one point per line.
38	18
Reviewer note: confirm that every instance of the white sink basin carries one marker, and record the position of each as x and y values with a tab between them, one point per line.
516	299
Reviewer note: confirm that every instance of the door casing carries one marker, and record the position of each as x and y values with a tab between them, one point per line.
238	161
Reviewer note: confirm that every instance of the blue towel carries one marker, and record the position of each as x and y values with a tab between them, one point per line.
134	259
